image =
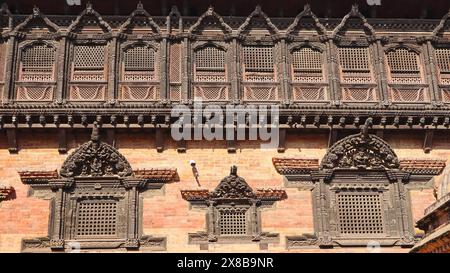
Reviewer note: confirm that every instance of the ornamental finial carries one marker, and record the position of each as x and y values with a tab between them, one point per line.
95	136
233	170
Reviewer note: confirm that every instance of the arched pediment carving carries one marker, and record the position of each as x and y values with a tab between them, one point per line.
258	13
306	13
233	187
89	13
215	21
360	151
95	158
36	19
354	13
140	14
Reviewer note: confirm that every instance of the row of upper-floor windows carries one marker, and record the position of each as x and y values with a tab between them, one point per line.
142	62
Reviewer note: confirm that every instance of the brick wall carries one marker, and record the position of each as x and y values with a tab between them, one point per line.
165	212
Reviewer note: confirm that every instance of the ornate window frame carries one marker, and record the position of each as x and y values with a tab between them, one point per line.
359	164
233	194
94	174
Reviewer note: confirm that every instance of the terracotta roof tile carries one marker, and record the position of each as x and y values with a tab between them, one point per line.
35	176
5	192
292	165
271	194
157	174
195	195
422	166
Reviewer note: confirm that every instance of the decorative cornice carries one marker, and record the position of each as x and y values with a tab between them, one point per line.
422	166
156	174
294	165
6	192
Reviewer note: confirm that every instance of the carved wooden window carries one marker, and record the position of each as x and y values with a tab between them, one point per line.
443	62
175	71
404	66
307	65
233	211
139	64
360	197
233	221
37	63
355	64
36	73
97	218
210	64
360	212
89	63
258	63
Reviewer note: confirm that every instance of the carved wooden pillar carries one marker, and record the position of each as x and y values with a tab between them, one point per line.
381	71
333	74
163	92
112	69
58	219
61	68
434	77
283	63
11	48
234	66
427	71
185	70
133	230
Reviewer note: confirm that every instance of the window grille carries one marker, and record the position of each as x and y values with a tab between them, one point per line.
232	222
258	63
89	63
360	213
404	66
210	64
443	62
37	63
355	64
139	64
96	219
307	65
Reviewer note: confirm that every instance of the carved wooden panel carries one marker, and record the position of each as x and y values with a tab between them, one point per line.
443	65
258	64
307	65
175	71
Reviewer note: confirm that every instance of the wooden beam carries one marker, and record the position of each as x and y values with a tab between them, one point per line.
282	140
159	139
62	141
12	141
428	141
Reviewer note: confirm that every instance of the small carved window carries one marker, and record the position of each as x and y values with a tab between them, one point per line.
210	64
258	63
97	219
89	63
443	62
404	66
360	212
37	63
139	64
307	65
355	64
233	221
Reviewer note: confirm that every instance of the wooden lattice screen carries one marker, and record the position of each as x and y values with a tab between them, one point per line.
258	63
210	65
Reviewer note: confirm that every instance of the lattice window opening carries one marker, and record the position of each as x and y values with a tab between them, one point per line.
210	64
37	63
89	63
139	64
360	213
443	63
307	65
97	219
259	64
233	222
404	66
355	63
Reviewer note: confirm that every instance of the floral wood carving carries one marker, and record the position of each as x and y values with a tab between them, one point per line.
362	151
95	158
233	186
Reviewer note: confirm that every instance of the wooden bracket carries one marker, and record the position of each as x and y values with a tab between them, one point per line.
62	141
428	141
282	141
181	146
111	137
332	137
159	141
